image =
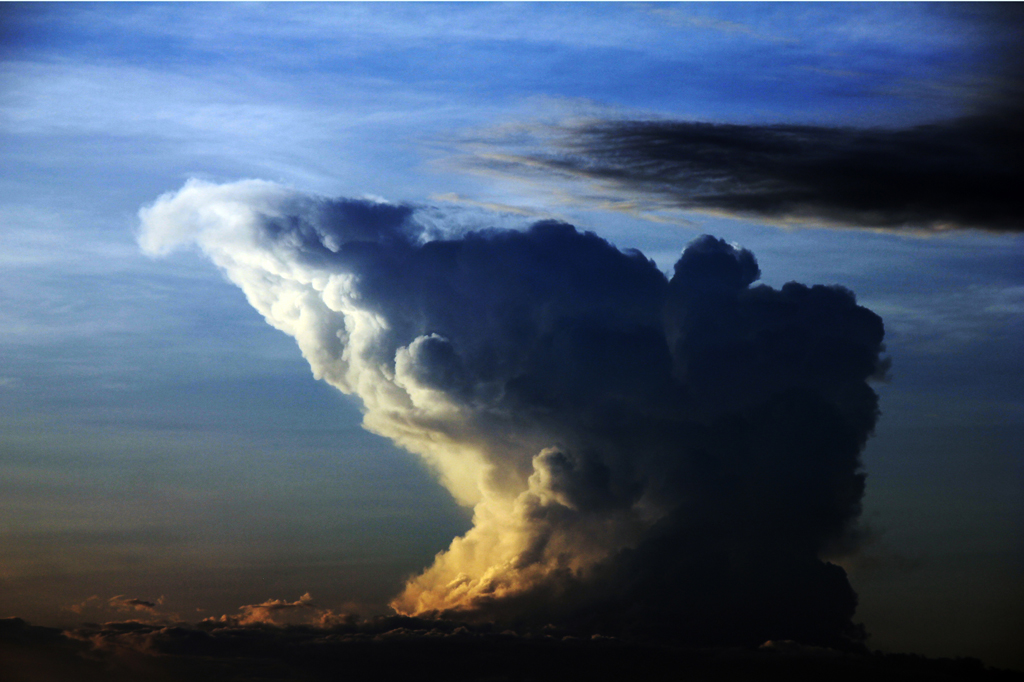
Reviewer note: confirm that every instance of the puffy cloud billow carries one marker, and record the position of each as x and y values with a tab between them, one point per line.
644	455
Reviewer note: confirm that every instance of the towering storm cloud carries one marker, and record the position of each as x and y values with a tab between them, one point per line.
643	455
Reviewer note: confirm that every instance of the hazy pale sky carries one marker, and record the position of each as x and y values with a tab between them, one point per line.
158	439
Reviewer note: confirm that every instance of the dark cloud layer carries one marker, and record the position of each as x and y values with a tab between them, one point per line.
416	649
740	411
954	174
662	458
964	173
960	173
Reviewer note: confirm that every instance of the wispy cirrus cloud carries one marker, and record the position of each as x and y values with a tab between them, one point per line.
946	171
963	173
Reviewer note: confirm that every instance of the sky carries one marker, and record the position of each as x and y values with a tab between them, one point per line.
185	436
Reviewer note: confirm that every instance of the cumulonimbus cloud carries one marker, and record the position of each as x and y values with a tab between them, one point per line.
642	454
963	173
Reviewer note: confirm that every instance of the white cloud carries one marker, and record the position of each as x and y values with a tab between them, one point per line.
484	455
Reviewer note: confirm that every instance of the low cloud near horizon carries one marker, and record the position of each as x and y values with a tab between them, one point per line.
403	648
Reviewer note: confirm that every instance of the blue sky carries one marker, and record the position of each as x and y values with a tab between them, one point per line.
159	438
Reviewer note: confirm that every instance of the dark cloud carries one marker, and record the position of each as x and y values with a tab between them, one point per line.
122	603
399	648
650	457
738	411
964	173
959	173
